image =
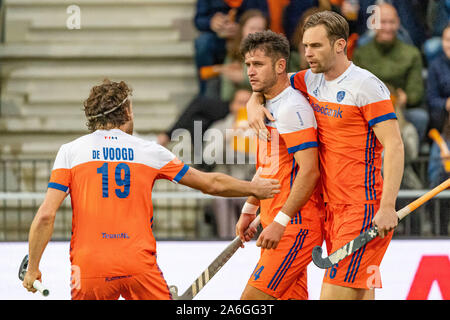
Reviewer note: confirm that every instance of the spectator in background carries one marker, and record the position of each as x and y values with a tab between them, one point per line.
292	14
438	16
216	22
276	9
412	13
397	64
297	59
211	108
236	144
438	84
285	14
438	97
410	139
351	11
232	72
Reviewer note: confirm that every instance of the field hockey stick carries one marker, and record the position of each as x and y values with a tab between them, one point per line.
372	233
36	284
212	269
445	153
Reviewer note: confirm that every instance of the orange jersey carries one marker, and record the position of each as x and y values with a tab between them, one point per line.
294	129
346	110
110	176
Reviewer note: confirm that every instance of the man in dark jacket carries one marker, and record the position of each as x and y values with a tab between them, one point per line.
217	21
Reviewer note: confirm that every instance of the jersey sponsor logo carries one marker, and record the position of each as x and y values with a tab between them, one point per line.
115	235
329	112
340	96
107	279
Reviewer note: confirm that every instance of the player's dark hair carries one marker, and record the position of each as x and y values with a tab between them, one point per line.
274	45
335	24
107	105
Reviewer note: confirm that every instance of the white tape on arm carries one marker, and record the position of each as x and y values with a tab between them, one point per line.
249	208
282	218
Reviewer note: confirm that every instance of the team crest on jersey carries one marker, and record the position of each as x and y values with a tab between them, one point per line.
340	96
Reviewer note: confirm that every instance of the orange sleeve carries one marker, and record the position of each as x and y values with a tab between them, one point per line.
300	140
298	81
60	179
378	111
173	170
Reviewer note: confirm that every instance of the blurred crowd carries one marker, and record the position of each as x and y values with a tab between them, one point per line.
406	44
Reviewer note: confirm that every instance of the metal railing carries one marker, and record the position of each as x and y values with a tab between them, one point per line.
179	212
2	21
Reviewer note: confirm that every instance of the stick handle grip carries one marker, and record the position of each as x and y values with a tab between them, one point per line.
40	287
420	201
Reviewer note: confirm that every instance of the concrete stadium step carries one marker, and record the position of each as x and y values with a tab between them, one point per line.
47	69
27	19
131	69
53	84
164	109
132	50
76	124
72	90
42	145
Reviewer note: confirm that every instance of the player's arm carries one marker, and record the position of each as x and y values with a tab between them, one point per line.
305	181
302	189
41	231
388	133
220	184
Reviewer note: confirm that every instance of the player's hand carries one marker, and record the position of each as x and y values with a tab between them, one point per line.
386	220
265	188
256	114
29	279
270	236
242	229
